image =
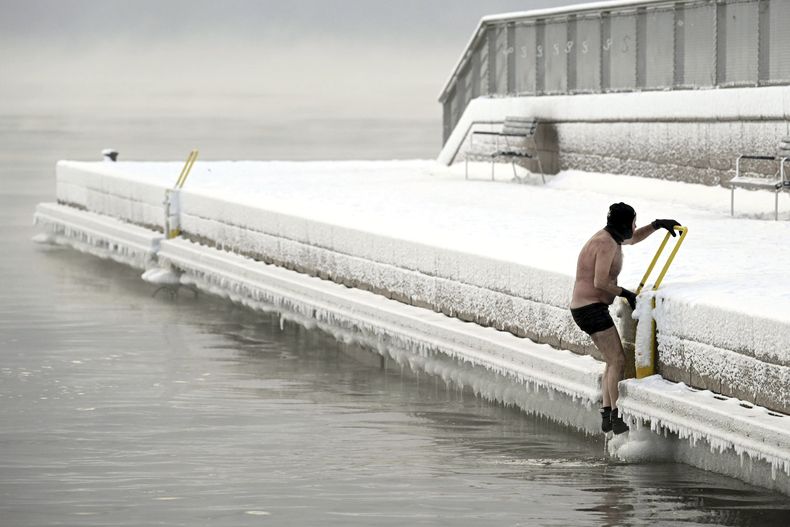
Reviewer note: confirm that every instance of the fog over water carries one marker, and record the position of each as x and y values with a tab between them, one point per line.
123	408
285	64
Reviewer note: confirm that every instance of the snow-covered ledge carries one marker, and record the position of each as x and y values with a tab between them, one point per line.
721	346
731	338
686	135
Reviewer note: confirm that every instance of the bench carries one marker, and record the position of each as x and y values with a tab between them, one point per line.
779	182
518	135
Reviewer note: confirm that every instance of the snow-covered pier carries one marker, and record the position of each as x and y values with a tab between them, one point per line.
404	256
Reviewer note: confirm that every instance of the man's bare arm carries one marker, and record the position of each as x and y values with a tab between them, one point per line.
643	232
640	234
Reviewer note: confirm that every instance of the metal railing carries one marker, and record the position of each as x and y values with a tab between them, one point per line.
626	45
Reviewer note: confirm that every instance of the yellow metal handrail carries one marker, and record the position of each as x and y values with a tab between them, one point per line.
683	232
182	178
646	371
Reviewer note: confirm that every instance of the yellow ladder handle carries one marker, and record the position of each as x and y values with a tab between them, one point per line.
683	232
646	371
182	177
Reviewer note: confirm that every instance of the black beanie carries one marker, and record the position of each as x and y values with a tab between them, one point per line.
619	221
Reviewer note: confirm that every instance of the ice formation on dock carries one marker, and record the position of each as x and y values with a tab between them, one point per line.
643	341
98	235
728	427
385	325
720	324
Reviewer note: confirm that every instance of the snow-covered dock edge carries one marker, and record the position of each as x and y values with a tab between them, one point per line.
553	383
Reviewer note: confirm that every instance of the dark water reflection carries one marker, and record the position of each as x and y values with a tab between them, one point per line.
122	409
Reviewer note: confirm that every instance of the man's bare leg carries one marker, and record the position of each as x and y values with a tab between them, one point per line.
609	344
607	400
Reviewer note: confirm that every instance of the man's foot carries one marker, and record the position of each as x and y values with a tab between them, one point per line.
618	425
606	419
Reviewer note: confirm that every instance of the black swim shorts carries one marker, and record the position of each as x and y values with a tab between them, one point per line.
593	318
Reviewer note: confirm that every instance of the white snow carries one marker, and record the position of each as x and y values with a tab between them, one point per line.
741	104
161	276
420	202
520	240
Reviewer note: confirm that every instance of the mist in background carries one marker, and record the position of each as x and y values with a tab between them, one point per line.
348	71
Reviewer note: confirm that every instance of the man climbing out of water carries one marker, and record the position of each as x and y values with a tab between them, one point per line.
599	265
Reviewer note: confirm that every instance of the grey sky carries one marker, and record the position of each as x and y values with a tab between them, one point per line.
166	19
297	57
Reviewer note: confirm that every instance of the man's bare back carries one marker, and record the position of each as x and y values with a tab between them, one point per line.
600	248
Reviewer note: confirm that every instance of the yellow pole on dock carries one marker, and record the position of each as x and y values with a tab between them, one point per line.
172	202
647	370
652	264
182	178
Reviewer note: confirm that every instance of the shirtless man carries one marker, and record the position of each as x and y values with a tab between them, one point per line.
597	269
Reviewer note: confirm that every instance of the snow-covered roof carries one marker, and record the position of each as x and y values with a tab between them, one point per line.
542	13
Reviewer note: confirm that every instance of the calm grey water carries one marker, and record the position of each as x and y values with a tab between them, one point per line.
119	408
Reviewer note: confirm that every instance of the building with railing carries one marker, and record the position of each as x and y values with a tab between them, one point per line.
662	49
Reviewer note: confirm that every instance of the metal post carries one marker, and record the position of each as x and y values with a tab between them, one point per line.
166	204
172	200
776	204
732	187
732	201
172	213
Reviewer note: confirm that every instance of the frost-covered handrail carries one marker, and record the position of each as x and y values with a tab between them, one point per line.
626	45
534	14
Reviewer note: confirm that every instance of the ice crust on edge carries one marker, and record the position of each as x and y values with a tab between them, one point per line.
726	425
122	246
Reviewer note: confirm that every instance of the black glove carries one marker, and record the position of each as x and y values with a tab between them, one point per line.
666	224
628	295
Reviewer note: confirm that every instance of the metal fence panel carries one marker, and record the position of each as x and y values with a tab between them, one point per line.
447	124
464	85
511	59
499	58
526	55
738	42
674	43
622	51
588	54
458	106
659	49
779	41
555	42
699	37
482	60
474	73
